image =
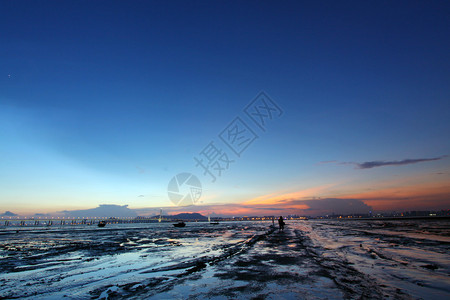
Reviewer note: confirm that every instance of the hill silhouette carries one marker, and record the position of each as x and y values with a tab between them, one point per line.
189	216
8	214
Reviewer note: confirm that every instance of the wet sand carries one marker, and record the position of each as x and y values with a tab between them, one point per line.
235	260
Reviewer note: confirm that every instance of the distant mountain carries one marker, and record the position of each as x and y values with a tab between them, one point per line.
103	210
42	215
189	216
8	214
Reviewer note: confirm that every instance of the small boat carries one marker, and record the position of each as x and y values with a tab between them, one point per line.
212	223
179	224
101	224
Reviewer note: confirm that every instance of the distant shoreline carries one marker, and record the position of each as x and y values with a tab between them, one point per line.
428	218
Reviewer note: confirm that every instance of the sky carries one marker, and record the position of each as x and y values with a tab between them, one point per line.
291	107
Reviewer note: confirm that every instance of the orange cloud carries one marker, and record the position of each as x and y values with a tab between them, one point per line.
280	197
415	192
431	195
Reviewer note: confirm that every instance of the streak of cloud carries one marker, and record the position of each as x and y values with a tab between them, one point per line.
140	170
374	164
383	163
327	162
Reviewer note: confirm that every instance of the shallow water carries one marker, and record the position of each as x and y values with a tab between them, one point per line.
310	259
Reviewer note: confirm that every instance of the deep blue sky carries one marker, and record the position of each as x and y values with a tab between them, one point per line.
103	101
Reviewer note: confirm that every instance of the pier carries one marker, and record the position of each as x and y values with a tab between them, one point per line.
70	221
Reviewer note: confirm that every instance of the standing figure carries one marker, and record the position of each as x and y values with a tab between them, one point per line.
281	223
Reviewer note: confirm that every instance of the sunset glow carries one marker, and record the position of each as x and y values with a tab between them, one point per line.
272	109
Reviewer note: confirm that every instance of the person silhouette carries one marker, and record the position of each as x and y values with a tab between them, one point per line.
281	223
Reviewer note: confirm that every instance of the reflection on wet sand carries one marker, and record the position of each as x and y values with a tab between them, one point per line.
308	259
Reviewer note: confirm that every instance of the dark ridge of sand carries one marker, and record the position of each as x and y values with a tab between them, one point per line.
275	263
